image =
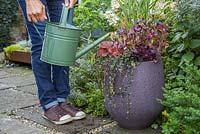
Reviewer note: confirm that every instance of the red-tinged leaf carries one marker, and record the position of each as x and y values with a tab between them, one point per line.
102	52
114	51
105	44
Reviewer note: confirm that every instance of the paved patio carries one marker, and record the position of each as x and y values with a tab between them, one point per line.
20	112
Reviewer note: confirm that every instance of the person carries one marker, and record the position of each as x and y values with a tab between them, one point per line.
52	81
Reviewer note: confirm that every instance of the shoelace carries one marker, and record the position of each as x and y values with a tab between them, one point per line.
58	111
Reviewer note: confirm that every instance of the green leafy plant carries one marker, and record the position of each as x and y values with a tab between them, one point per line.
186	32
86	83
89	16
182	102
132	10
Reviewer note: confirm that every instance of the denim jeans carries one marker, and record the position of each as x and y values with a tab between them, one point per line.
52	81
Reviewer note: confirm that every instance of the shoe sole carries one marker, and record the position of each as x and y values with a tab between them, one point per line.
59	122
79	117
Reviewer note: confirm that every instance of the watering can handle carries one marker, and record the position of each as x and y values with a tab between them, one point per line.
64	16
38	31
63	20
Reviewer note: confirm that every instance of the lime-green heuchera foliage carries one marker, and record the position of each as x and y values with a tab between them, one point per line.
182	100
10	49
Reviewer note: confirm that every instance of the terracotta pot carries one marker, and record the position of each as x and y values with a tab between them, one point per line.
131	94
20	56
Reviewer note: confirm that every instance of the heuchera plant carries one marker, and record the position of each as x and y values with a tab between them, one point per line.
140	43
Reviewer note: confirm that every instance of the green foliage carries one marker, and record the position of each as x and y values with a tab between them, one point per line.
165	10
186	32
87	84
182	101
10	49
89	16
133	10
8	12
171	67
188	17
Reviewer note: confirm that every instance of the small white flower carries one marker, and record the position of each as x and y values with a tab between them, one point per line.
115	5
111	17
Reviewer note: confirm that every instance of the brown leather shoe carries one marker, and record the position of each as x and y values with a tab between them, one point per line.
76	113
57	115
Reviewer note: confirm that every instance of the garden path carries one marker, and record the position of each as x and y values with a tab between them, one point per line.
20	112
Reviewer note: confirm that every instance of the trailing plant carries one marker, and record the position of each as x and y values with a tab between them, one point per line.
182	102
8	16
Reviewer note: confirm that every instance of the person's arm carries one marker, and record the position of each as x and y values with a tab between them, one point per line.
35	10
71	3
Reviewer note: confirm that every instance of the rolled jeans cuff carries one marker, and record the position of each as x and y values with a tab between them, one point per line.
51	104
60	100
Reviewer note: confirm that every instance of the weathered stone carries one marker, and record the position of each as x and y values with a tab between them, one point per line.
13	126
118	130
74	127
12	99
32	89
18	81
4	74
13	71
3	86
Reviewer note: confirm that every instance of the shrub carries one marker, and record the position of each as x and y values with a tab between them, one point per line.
186	29
182	102
87	84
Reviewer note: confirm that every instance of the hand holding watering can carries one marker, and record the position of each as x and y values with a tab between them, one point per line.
36	10
61	41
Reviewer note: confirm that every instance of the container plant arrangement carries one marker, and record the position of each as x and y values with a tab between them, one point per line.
19	52
134	74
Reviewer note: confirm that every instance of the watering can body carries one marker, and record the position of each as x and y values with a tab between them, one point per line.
61	42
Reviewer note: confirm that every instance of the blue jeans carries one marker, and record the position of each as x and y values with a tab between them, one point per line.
52	81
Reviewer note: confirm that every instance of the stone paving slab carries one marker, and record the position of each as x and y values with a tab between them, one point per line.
3	86
75	127
3	74
13	126
14	71
118	130
11	99
21	70
18	81
31	89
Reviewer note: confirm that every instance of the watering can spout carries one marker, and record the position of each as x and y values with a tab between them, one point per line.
91	46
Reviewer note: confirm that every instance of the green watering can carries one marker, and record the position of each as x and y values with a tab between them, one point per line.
61	42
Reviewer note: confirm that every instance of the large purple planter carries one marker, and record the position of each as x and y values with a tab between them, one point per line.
131	94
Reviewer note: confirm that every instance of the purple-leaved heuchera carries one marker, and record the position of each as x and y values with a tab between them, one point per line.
140	43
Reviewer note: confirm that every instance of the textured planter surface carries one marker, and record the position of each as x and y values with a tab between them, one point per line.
134	104
20	56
